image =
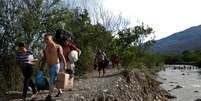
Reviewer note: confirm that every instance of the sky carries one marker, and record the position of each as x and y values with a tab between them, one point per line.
164	16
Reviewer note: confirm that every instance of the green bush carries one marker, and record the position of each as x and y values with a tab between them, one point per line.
11	75
86	60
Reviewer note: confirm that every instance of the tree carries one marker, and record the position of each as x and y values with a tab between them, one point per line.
187	56
128	43
20	20
28	20
108	19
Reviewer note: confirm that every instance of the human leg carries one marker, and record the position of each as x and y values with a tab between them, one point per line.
99	68
33	87
62	68
25	87
53	71
27	73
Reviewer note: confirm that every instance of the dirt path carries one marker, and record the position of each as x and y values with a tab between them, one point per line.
112	87
83	87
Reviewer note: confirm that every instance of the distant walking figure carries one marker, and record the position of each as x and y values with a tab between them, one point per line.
101	61
115	60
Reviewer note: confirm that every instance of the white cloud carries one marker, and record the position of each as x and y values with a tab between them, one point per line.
164	16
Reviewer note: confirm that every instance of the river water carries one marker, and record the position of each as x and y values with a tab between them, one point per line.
182	81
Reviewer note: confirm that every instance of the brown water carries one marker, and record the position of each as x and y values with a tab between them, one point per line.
182	81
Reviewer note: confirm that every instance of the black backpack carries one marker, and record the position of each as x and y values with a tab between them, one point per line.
61	36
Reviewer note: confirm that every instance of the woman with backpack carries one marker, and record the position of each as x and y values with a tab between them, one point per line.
70	51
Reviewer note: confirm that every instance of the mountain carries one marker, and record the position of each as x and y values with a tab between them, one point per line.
189	39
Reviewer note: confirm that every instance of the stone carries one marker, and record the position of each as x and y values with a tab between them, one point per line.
170	96
82	97
105	90
177	87
198	99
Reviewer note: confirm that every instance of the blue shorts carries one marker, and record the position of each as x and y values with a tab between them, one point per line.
53	71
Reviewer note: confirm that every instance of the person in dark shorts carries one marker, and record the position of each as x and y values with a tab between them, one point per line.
101	61
25	60
115	59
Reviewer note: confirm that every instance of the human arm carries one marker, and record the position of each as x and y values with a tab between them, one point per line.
73	47
43	60
31	59
17	58
61	56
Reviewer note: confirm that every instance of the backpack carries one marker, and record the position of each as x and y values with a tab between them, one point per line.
41	81
61	36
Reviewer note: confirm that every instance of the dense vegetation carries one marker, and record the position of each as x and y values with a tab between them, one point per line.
28	20
187	57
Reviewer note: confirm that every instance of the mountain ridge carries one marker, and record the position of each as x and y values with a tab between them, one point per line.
188	39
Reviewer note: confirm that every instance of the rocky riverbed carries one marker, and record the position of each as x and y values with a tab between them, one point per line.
182	81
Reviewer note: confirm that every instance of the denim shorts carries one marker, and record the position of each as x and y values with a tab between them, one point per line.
53	71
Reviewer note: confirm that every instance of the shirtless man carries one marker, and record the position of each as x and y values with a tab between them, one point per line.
53	53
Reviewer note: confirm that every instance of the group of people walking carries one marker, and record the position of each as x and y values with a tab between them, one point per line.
55	55
101	61
58	56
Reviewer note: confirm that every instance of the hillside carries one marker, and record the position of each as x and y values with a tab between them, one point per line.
189	39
